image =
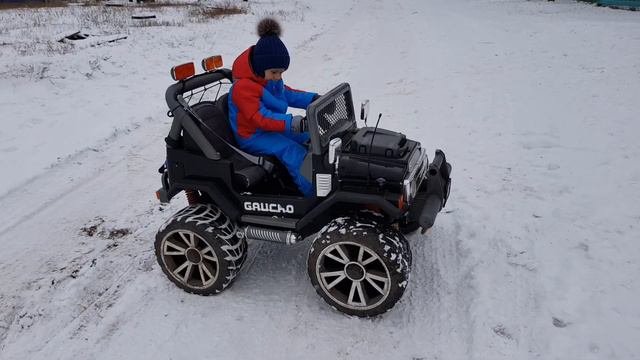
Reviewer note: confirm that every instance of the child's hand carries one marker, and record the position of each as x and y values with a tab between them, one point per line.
299	124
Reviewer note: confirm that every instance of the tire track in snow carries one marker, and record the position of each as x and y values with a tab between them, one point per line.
44	291
441	290
80	294
37	190
92	289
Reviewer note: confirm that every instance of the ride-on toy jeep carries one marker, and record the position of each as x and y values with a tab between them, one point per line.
372	186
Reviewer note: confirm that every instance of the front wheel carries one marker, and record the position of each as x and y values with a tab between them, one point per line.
359	266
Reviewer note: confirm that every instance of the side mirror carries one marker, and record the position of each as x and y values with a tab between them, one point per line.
335	145
364	110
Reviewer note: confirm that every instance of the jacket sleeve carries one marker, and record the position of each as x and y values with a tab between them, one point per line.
246	96
297	98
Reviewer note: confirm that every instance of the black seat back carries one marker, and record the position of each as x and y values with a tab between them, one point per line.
215	116
216	120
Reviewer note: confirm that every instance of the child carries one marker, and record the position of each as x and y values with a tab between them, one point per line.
258	102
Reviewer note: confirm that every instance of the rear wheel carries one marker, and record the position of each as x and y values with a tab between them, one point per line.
359	267
199	251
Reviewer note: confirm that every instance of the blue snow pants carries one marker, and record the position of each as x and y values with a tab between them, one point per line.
287	147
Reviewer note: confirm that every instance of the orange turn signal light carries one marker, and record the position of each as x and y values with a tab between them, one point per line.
183	71
212	62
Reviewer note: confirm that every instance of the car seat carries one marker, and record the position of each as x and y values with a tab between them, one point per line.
215	127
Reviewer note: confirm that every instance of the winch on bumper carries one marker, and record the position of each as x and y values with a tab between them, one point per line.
432	193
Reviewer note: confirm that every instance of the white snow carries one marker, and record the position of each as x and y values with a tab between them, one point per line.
536	255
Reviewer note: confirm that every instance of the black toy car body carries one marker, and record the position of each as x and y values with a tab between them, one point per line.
372	186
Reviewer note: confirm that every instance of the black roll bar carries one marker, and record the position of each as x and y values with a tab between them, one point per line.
181	111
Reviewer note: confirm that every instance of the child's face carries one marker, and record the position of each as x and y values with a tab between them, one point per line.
273	74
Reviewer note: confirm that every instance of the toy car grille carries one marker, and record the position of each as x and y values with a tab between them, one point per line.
332	115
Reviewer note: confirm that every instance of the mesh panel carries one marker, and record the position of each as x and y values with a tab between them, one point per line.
333	115
207	92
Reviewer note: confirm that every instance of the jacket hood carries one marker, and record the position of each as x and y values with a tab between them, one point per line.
242	68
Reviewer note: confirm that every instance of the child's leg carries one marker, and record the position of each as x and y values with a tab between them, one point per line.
300	138
287	150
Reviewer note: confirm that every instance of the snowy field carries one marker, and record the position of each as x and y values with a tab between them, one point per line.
537	257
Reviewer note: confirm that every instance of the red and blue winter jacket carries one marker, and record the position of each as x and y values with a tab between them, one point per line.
256	104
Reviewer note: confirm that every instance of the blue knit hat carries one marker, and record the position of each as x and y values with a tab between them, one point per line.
269	52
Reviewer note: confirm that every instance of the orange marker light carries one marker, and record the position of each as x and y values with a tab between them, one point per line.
401	202
212	62
183	71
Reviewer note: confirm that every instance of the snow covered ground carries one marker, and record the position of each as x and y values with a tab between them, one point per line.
537	255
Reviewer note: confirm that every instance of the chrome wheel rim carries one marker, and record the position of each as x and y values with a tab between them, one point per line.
189	259
353	275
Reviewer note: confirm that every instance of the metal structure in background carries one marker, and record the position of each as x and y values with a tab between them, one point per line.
632	4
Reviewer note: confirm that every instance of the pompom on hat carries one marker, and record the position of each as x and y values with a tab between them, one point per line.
269	52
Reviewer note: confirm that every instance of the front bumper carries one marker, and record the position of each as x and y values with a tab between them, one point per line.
433	193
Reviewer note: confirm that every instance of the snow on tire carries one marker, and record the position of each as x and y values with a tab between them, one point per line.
358	266
198	250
